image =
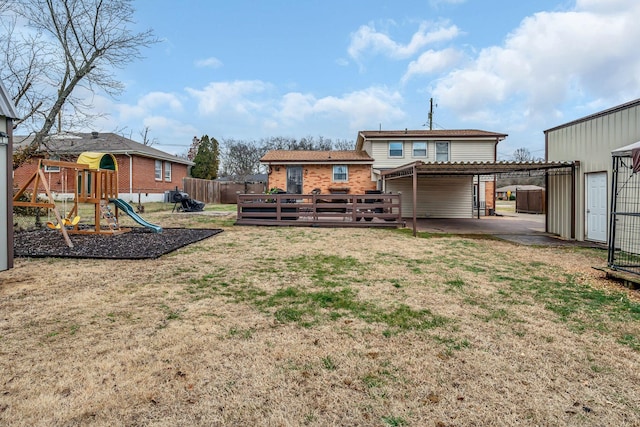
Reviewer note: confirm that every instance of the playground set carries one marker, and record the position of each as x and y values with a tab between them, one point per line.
96	182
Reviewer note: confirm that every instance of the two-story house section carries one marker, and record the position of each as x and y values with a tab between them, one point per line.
449	189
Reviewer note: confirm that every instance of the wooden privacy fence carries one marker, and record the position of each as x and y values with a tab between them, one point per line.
208	191
329	210
530	201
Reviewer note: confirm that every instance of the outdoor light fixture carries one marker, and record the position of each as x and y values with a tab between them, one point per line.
4	138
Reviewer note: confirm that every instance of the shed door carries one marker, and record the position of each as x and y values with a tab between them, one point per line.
596	207
294	179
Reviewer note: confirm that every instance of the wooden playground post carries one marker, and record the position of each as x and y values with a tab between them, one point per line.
94	186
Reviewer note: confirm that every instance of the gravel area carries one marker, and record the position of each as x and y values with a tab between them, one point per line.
139	243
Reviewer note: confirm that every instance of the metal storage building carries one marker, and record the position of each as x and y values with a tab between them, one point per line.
7	114
579	208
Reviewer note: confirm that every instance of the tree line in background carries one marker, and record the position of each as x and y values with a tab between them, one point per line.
536	178
238	159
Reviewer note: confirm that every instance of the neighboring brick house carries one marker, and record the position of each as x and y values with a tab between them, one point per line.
301	171
143	172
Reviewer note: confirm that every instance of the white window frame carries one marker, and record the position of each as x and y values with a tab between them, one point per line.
167	171
158	170
440	153
338	170
413	149
52	168
395	156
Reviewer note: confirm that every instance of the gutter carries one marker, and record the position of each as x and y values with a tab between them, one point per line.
130	173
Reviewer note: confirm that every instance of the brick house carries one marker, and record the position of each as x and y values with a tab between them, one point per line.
143	172
301	171
381	160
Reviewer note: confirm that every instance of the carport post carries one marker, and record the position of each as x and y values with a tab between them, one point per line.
415	200
478	196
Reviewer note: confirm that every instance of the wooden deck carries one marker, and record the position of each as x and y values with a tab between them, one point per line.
320	210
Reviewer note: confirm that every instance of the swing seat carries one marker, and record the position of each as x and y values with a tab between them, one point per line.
66	221
71	222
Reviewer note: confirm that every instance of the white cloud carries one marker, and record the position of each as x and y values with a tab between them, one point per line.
433	61
368	40
209	63
296	106
602	6
552	58
237	96
149	102
358	110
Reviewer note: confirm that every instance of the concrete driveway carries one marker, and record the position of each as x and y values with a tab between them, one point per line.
525	229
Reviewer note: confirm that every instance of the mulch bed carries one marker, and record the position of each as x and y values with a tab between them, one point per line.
139	243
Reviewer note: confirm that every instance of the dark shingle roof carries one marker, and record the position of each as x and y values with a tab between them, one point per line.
76	143
307	156
422	133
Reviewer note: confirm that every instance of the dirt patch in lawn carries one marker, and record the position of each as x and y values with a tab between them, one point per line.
303	326
139	243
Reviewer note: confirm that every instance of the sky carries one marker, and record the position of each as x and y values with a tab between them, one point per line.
248	70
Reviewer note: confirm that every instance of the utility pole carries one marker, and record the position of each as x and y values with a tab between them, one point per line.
431	113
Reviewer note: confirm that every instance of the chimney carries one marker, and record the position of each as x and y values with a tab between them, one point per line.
94	135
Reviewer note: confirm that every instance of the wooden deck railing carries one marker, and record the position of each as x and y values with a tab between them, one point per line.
329	210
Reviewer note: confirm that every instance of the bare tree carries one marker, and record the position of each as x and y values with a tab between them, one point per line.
146	140
79	43
344	144
241	158
523	155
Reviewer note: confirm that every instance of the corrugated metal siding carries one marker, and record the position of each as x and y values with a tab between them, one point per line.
4	189
4	221
559	193
438	197
590	142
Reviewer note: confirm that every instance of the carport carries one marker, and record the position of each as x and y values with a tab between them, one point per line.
419	168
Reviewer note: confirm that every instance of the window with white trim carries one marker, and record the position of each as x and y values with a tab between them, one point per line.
158	170
396	149
167	171
442	151
52	168
340	173
419	149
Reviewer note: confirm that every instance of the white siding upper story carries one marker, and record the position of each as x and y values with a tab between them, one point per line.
458	151
590	141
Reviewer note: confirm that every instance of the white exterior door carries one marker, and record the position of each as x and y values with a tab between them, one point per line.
596	206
